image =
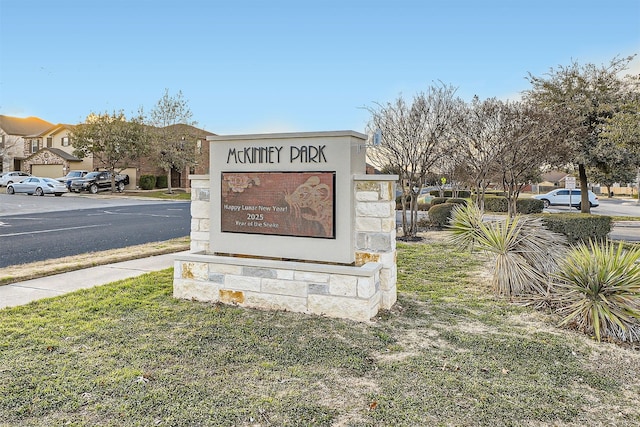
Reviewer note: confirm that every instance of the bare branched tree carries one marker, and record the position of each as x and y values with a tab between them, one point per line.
527	141
174	142
478	141
413	137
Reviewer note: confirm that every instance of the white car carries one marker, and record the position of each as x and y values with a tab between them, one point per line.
38	186
10	177
564	197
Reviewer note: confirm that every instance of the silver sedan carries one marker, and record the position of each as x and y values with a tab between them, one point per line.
38	186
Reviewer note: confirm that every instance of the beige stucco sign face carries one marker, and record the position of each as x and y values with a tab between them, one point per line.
285	195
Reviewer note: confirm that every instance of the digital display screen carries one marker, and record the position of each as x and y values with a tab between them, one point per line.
299	204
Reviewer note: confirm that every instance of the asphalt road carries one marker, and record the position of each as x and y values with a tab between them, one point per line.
49	227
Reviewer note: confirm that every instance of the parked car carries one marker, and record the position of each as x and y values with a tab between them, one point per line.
10	177
37	186
98	181
561	197
72	176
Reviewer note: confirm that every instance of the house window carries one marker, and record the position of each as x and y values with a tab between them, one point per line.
65	141
199	146
49	142
34	146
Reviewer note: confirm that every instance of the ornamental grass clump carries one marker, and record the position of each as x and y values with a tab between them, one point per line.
524	252
598	290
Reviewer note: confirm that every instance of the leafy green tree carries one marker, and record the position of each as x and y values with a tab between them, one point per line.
584	97
623	128
174	139
115	142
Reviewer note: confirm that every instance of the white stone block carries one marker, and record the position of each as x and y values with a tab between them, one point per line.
341	307
309	276
276	302
368	224
366	287
388	225
342	285
199	235
367	196
284	274
374	209
284	287
199	246
388	299
191	289
200	209
225	269
242	283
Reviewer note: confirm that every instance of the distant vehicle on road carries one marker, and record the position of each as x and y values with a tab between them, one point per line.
72	176
10	177
564	197
99	181
37	186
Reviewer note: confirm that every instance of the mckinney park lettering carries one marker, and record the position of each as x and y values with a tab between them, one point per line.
273	154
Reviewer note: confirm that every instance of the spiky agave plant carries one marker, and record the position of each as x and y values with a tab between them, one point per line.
598	290
524	251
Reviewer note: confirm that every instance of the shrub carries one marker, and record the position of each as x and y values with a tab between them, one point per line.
524	251
438	201
462	194
161	181
599	290
440	214
424	206
147	182
529	206
457	201
495	204
579	227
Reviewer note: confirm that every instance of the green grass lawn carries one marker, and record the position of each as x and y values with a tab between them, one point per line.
448	353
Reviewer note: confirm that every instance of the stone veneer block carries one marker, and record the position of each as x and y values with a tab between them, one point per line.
307	276
242	283
200	209
276	302
194	270
284	287
369	224
367	196
225	269
198	235
388	299
366	287
265	273
192	289
344	286
364	257
374	209
334	306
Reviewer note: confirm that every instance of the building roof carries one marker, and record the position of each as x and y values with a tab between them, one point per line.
29	126
58	152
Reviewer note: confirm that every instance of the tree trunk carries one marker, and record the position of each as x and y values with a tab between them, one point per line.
585	206
169	191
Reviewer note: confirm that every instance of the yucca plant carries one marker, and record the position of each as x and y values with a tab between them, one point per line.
598	290
525	252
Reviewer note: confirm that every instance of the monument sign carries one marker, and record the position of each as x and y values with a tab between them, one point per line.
285	195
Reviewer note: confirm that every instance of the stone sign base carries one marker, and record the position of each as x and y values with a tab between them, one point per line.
330	290
348	291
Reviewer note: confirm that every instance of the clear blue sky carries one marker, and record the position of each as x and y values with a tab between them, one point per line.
249	66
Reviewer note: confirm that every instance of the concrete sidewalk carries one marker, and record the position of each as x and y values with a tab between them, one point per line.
30	290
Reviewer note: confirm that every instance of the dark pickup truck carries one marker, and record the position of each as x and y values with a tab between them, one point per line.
98	181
